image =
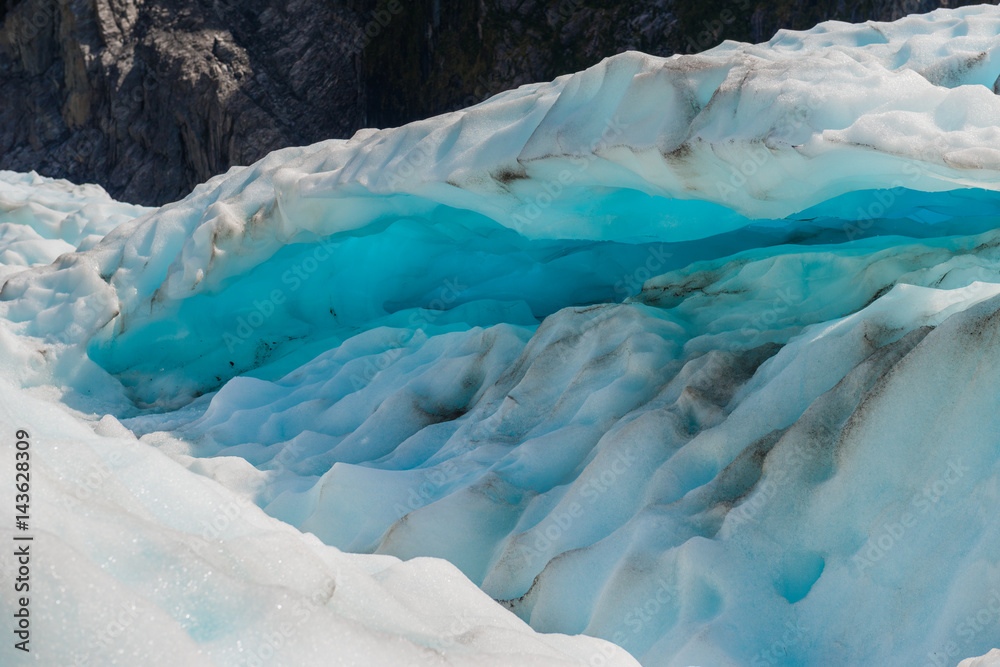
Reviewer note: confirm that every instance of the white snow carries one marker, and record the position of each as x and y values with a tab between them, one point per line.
991	659
42	218
136	560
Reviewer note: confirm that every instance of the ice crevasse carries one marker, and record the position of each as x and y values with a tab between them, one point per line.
136	560
697	355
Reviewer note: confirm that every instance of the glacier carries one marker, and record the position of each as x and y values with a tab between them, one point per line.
695	355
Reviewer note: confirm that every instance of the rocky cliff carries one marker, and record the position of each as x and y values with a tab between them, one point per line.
151	98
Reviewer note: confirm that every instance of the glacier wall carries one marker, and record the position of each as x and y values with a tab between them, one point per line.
137	560
694	354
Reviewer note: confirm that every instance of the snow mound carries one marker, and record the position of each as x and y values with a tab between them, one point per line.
42	218
139	561
991	659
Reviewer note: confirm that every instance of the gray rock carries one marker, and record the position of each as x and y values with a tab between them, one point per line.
151	98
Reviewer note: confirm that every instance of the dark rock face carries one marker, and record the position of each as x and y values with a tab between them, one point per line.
151	97
441	55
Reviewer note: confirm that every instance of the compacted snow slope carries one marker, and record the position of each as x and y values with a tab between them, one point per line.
699	355
136	561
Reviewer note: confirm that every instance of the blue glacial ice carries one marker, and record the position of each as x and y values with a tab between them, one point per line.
698	355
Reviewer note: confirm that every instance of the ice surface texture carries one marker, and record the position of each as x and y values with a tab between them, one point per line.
694	354
138	561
